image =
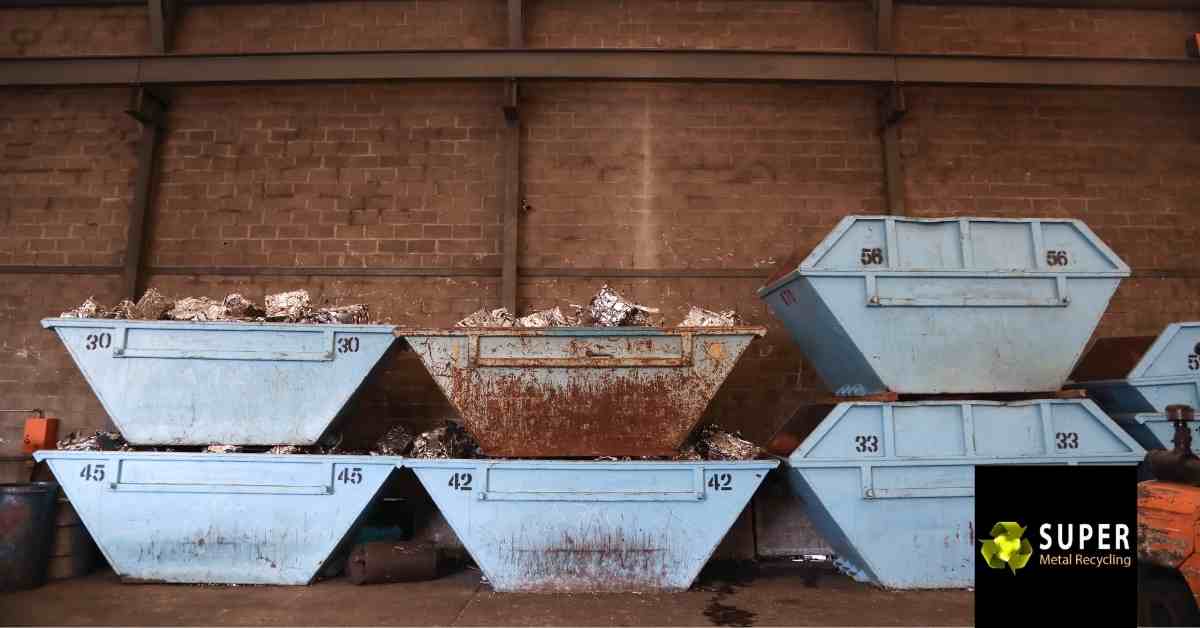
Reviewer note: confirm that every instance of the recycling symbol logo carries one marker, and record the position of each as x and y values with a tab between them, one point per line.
1006	548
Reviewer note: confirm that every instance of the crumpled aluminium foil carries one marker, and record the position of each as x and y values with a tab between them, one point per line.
238	306
394	442
688	452
88	309
198	309
151	307
287	306
348	314
451	441
223	449
700	317
713	443
552	317
100	441
292	307
609	309
499	317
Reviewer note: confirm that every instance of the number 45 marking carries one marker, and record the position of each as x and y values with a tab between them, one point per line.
350	476
92	472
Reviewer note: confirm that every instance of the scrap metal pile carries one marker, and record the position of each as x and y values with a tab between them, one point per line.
99	441
452	441
710	443
285	307
606	309
448	441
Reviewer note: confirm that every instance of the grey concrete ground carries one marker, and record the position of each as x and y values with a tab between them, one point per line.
777	595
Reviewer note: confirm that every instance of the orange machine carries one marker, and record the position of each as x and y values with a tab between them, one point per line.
1169	532
41	432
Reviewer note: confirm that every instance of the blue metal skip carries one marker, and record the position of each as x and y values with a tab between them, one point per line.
1168	373
891	486
549	526
182	383
1152	430
960	305
217	518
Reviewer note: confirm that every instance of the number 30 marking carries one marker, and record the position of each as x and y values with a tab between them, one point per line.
98	341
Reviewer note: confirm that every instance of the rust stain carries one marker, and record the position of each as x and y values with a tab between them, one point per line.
1167	522
594	413
577	413
594	559
1160	547
529	394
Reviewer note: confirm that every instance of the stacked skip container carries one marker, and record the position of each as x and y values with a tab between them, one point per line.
969	308
575	523
1161	372
572	523
212	517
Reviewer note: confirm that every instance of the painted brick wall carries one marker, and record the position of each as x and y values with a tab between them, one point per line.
686	176
723	24
281	27
402	175
1047	32
373	24
66	176
67	31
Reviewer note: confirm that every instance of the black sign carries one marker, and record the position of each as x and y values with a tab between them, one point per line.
1057	545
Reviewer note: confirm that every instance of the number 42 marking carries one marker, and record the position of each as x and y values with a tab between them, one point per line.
721	482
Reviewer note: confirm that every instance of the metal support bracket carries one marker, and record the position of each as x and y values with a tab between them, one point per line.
149	109
511	214
163	15
892	108
884	24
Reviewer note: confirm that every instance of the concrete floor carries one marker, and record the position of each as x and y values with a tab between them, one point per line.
780	594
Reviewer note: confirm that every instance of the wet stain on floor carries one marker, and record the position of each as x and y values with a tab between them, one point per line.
726	615
725	585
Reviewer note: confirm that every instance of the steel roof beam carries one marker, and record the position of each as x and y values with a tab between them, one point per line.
656	65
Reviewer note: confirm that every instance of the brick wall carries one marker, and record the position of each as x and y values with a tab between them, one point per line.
68	31
723	24
66	176
1045	32
374	24
331	176
645	176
